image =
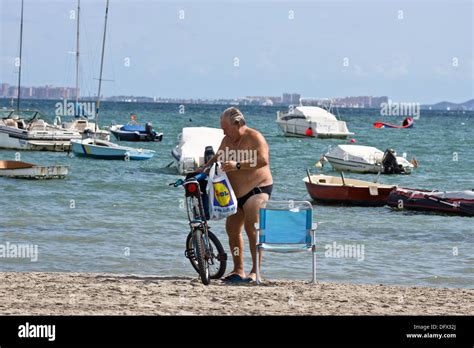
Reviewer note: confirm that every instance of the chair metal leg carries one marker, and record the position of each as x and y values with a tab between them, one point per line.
259	281
314	253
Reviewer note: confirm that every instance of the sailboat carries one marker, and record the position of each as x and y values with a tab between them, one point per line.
26	129
96	148
81	122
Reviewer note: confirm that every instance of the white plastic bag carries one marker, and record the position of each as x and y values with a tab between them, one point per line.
222	200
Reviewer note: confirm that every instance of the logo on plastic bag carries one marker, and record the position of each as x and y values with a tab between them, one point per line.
222	196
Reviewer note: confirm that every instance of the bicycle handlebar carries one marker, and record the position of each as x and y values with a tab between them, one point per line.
197	177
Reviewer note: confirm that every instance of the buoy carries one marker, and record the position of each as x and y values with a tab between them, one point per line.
318	165
353	140
309	132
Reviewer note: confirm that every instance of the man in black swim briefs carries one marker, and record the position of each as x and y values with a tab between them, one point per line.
244	155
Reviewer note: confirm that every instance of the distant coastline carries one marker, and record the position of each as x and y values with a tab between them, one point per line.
445	105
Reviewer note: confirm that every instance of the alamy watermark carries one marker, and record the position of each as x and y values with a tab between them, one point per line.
400	109
227	154
336	250
66	108
19	251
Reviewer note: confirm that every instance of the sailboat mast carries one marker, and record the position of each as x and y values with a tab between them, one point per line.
77	56
21	63
101	66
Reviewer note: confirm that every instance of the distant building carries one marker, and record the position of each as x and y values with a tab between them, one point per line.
378	101
286	98
275	100
295	98
4	90
360	102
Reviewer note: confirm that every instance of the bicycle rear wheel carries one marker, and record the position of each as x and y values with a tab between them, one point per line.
200	249
217	256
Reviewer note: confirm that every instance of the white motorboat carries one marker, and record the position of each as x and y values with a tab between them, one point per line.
195	146
82	125
23	170
367	159
18	132
312	121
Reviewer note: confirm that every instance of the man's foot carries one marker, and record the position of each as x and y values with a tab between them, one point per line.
236	278
233	275
252	276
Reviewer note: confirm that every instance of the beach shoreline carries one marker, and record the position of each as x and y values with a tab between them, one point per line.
41	293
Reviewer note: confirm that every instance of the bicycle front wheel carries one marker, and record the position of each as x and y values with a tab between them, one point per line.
217	260
200	249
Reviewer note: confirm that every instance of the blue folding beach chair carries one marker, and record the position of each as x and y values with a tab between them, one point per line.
286	226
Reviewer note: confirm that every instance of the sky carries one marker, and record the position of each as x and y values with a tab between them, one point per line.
412	51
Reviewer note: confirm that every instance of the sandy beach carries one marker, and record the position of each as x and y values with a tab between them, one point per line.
31	293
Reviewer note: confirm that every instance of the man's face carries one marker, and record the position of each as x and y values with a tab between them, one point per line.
231	130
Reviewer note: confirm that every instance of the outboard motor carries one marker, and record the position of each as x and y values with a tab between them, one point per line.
150	134
208	153
148	128
390	164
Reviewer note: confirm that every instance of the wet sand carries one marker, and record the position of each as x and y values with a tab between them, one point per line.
31	293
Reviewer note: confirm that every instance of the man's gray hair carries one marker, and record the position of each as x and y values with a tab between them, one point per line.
234	115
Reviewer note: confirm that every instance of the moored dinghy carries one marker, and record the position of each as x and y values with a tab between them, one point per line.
136	132
452	202
332	189
23	170
367	159
195	145
101	149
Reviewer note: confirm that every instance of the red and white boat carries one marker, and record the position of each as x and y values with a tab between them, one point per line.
453	202
332	189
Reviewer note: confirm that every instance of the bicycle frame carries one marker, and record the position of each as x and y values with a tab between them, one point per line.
201	251
195	210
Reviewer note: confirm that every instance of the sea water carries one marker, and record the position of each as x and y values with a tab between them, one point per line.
123	217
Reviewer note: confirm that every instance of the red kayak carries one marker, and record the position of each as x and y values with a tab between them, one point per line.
407	123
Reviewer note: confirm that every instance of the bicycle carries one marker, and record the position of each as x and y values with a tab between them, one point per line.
203	248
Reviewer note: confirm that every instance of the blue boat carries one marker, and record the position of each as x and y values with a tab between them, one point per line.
136	132
101	149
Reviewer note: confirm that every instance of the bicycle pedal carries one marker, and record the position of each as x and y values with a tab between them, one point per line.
189	253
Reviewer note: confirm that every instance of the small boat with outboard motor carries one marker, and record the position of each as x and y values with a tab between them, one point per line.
136	132
196	145
367	159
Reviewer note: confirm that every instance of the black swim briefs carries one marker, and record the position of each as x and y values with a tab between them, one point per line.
262	189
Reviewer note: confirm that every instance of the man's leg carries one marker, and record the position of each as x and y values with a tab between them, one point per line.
251	210
233	225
